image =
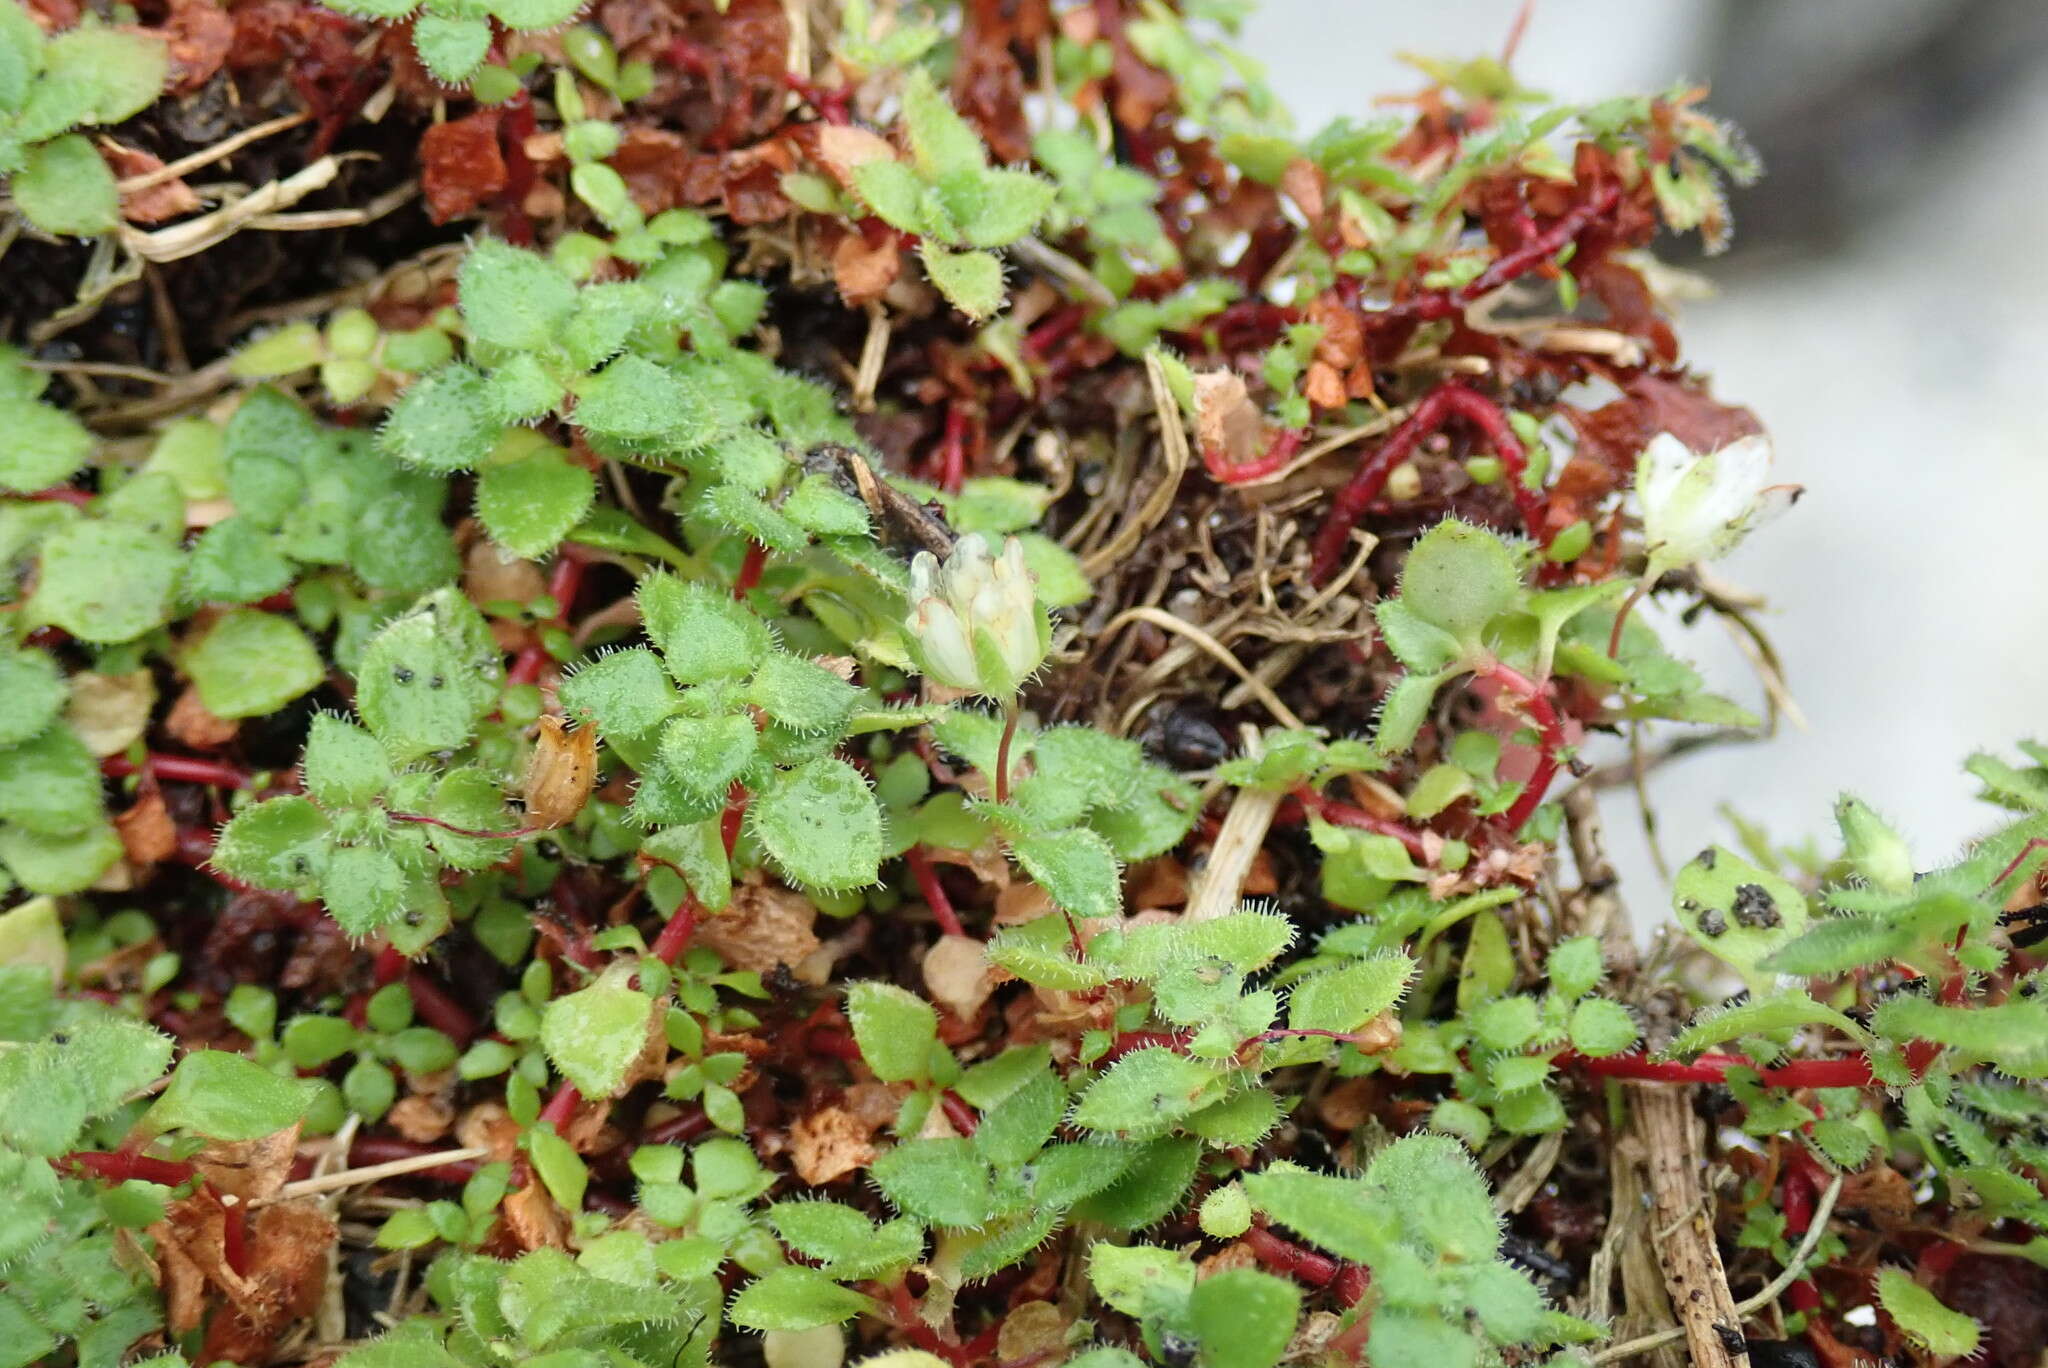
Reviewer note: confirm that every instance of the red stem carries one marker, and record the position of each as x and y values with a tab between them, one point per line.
560	1107
1283	1255
183	769
1278	453
234	1239
77	498
564	579
1343	814
832	105
432	1004
958	1112
119	1168
684	1126
934	892
735	812
675	936
1510	265
1851	1071
951	457
1536	698
1452	398
750	569
514	834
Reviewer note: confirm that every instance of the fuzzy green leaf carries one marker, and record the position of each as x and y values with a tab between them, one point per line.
64	187
794	1297
224	1096
1344	999
701	633
1243	1318
1736	911
801	694
1142	1281
1760	1016
1937	1330
443	422
594	1035
251	663
1458	578
105	582
451	47
821	824
279	843
941	1181
625	692
50	784
344	766
972	281
362	888
634	399
511	298
894	1028
529	505
1601	1027
1147	1091
1075	867
45	445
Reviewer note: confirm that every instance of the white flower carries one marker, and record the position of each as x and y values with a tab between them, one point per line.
1698	508
975	621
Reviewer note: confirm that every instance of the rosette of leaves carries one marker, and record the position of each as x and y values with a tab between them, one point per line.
85	77
613	1304
453	37
306	494
607	357
70	1072
426	679
959	207
1421	1220
55	836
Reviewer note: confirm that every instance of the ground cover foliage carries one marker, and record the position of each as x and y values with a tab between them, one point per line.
841	682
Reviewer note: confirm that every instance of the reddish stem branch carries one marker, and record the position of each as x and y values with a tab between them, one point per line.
735	813
234	1235
675	936
560	1107
1452	398
434	1007
934	892
564	579
833	106
958	1112
478	832
1509	266
750	570
1536	699
1003	754
1357	818
1851	1071
183	769
120	1167
1278	453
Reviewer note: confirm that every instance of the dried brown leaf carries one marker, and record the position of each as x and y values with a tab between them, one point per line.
830	1143
560	773
765	926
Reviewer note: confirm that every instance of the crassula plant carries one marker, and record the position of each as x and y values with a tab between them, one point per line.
904	685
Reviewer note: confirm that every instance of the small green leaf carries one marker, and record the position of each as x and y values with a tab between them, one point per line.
224	1096
1075	867
892	189
64	187
1759	1016
634	399
511	298
894	1028
1458	578
1936	1329
972	281
1346	998
443	422
940	1181
593	1036
1737	912
451	47
705	754
362	888
529	505
800	694
562	1171
625	692
50	784
702	634
940	140
251	663
105	582
344	766
1600	1027
794	1297
1243	1318
1141	1280
1147	1091
45	445
821	824
279	843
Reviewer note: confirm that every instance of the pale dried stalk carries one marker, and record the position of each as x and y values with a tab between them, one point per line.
1685	1235
210	230
1238	842
206	156
1173	436
307	1187
1216	650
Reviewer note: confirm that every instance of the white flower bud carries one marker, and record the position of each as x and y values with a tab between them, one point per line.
1699	508
974	621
